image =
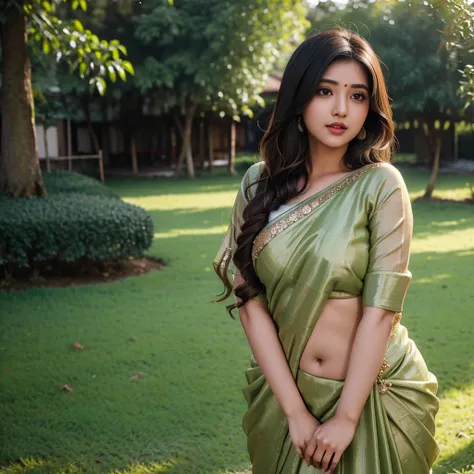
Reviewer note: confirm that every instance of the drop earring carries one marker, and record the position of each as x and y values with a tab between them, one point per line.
362	134
300	126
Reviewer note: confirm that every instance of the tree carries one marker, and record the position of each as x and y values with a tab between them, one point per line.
409	39
211	56
459	35
423	84
45	24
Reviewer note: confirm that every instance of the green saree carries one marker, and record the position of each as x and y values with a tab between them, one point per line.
350	239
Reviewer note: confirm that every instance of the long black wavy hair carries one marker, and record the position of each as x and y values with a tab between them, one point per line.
285	151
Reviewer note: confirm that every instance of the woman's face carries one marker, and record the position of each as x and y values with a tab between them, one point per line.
342	96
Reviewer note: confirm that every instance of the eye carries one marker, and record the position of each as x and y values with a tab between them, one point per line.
323	91
359	97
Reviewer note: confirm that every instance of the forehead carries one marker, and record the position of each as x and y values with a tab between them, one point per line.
348	70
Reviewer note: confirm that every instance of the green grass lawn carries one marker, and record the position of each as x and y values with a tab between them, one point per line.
184	415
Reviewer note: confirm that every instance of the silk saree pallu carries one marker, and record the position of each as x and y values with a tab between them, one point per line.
350	239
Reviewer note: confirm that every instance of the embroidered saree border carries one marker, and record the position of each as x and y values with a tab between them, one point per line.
267	234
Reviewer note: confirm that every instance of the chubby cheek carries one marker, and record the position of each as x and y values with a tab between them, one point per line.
318	113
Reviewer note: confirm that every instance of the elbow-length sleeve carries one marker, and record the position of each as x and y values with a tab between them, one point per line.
223	262
390	227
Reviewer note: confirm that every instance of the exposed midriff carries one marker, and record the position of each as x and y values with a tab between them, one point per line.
328	350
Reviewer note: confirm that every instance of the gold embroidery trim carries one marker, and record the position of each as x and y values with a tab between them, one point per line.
273	230
385	366
395	322
383	384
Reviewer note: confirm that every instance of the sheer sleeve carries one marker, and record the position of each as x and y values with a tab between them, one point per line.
391	228
223	262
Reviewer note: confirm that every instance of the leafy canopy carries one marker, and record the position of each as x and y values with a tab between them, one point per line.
215	54
52	30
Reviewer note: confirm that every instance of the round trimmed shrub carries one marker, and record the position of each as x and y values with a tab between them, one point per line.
61	181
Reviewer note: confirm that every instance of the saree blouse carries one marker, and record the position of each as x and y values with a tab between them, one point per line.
363	230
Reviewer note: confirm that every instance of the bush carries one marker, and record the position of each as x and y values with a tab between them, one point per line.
60	181
71	226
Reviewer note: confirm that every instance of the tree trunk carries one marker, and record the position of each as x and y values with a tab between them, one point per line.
186	150
133	152
202	154
434	140
46	151
231	145
20	172
187	144
179	164
210	146
173	144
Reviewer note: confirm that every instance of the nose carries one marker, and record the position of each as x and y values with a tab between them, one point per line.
340	106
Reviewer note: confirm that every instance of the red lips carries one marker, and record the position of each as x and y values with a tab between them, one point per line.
337	124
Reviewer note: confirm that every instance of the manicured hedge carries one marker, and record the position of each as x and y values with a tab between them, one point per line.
60	181
69	226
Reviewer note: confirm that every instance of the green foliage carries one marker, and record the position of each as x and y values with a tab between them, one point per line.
460	37
215	54
61	181
48	108
82	220
53	31
409	39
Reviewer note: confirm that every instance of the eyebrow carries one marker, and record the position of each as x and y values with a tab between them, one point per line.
354	86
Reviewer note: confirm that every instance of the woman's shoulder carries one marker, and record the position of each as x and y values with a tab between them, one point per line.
250	178
254	171
387	170
384	182
384	175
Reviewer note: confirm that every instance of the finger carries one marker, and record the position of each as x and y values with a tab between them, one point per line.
317	456
299	451
326	460
335	460
309	451
311	447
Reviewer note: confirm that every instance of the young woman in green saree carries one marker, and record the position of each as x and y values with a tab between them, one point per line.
319	245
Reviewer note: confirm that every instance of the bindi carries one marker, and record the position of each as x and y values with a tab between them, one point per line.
345	85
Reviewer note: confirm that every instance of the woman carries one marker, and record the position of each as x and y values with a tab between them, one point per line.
319	245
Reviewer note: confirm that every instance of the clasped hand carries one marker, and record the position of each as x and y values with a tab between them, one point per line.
321	445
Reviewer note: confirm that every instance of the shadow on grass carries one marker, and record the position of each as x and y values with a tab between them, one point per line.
462	462
438	313
437	218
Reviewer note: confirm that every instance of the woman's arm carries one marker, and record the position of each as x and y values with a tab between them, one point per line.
266	347
367	355
267	350
390	225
